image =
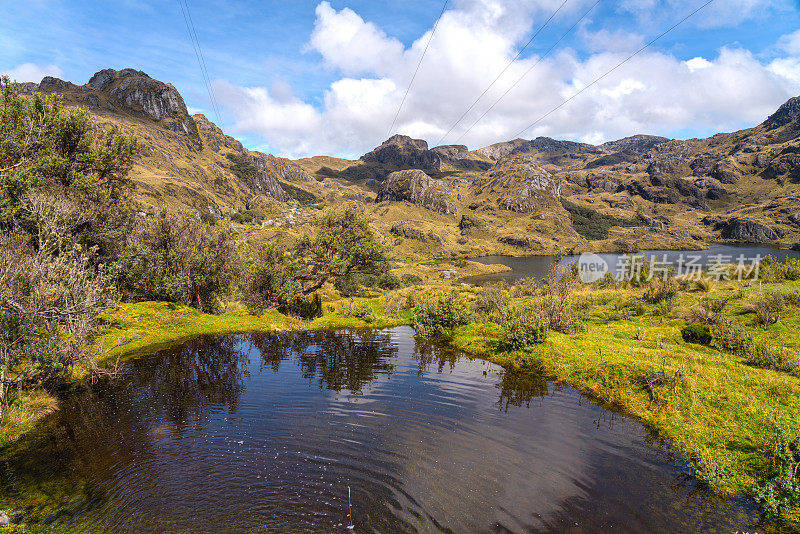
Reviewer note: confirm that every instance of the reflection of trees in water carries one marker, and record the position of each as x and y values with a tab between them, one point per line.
112	423
207	371
428	353
336	360
519	387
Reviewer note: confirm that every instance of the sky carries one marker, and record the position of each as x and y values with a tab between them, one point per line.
309	77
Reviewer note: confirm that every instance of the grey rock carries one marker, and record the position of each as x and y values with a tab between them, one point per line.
418	188
750	231
402	151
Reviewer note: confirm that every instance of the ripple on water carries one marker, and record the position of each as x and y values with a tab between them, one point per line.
267	433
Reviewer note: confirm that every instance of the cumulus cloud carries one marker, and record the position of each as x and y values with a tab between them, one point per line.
30	72
652	93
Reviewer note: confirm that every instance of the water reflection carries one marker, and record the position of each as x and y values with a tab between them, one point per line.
267	432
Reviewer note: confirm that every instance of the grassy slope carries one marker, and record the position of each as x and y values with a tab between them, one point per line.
717	410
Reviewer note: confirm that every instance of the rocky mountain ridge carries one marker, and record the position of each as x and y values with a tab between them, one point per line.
516	197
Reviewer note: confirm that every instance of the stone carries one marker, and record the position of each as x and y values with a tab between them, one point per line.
418	188
401	151
747	230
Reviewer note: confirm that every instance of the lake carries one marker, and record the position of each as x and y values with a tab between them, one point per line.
538	266
299	432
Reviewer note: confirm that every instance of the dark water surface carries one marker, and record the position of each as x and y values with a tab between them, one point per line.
538	266
265	433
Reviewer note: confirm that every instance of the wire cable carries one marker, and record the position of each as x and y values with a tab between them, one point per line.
203	61
419	64
490	108
502	72
565	102
199	56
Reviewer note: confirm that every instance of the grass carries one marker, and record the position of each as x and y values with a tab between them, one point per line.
713	407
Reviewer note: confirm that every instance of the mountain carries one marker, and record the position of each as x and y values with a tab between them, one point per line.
186	161
515	197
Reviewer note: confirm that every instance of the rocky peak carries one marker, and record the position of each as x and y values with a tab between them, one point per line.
501	150
786	114
404	152
549	145
635	144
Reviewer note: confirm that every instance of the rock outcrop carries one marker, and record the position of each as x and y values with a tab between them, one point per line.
418	188
788	113
748	230
522	185
635	144
403	152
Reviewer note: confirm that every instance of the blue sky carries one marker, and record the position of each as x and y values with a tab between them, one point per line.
290	83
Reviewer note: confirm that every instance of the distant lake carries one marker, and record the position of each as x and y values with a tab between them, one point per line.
291	432
538	266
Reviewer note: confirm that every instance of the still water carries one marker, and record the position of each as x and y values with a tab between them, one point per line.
266	433
539	266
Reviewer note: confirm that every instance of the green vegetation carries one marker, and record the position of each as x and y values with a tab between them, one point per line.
300	195
592	224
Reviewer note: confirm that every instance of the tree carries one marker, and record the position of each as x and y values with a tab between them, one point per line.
54	162
177	259
342	248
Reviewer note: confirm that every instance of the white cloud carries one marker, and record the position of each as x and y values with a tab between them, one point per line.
717	14
30	72
790	43
652	93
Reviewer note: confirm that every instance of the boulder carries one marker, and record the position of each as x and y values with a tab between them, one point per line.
749	230
469	221
521	242
418	188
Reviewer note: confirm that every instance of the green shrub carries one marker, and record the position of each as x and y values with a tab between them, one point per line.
177	259
522	329
247	217
773	271
304	307
780	490
389	281
270	280
592	224
768	309
359	310
410	280
696	333
661	292
437	317
491	299
526	287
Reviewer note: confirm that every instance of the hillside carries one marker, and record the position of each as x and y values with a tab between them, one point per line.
516	197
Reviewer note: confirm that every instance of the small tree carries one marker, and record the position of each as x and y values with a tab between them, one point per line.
270	279
342	249
177	259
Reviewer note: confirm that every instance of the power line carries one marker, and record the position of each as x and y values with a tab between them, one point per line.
540	119
419	64
203	60
199	55
502	71
490	108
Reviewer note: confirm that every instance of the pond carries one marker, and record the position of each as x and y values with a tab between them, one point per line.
271	433
538	266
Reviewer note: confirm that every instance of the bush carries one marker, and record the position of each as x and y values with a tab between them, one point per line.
768	309
410	280
772	271
177	259
270	280
522	329
491	299
359	310
780	491
696	333
439	316
558	307
526	287
389	281
662	292
304	307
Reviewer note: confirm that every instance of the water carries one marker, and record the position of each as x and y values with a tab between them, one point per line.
265	433
538	266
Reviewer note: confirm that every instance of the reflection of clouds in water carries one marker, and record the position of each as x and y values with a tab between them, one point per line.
268	431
